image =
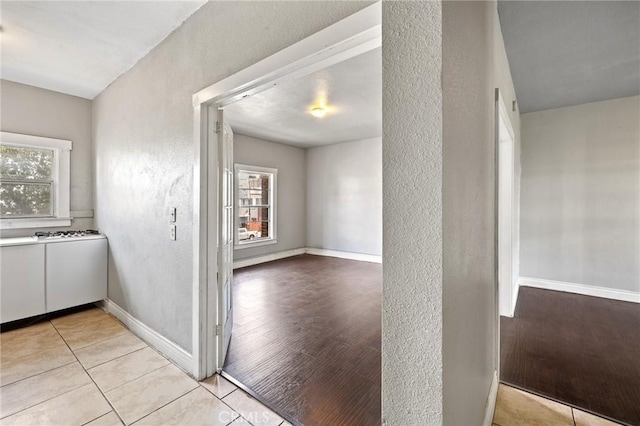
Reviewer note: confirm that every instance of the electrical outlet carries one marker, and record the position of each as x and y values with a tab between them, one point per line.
172	214
172	232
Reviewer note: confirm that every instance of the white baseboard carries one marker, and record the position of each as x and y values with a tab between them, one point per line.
267	258
308	250
345	255
587	290
491	401
175	353
514	301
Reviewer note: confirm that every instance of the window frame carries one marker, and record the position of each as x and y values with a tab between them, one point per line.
273	185
61	181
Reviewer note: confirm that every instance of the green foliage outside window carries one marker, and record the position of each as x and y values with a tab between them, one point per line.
26	181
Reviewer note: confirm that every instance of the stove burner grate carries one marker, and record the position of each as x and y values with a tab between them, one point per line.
66	234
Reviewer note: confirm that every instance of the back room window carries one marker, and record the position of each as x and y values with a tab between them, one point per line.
255	205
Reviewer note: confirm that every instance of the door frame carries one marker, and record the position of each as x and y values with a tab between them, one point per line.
502	125
505	141
350	37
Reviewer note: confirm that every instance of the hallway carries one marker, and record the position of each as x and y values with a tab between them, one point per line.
577	349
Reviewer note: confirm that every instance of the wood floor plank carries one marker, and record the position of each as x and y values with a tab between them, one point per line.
576	349
307	338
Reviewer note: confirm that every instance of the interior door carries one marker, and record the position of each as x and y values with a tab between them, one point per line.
225	237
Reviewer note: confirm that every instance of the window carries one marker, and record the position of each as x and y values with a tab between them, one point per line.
255	206
34	181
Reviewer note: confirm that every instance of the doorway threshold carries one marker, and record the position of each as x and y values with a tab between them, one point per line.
260	398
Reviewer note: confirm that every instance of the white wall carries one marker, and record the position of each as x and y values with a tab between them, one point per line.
291	204
344	197
143	143
468	210
581	194
474	65
33	111
412	173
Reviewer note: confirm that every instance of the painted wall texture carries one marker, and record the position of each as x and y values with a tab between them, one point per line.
412	170
291	203
344	197
474	65
468	209
581	194
33	111
143	147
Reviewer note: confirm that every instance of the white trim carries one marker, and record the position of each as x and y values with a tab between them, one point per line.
61	177
491	401
505	192
350	37
514	300
35	141
77	214
37	222
345	255
587	290
243	263
254	243
173	352
273	206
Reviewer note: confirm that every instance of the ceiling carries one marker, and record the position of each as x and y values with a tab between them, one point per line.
80	47
564	53
351	90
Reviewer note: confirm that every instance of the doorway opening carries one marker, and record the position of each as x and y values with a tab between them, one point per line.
222	207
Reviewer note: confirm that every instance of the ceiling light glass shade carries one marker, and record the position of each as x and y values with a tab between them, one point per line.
319	112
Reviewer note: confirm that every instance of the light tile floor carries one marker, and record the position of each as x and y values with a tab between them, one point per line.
86	368
515	407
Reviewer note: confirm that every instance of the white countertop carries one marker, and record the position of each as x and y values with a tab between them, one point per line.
20	241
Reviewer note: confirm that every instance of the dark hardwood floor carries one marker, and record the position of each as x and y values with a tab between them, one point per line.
581	350
306	338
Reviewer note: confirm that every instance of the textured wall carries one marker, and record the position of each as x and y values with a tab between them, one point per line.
581	194
143	143
344	197
33	111
474	64
292	176
412	176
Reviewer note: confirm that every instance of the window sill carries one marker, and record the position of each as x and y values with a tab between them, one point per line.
247	245
43	222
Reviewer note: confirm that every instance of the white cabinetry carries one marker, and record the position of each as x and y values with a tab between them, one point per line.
76	273
41	276
21	282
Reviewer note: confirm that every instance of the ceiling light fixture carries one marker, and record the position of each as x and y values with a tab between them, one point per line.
319	112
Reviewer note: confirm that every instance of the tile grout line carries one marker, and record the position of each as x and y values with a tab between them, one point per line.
112	338
104	393
99	341
45	400
99	417
37	374
251	397
85	370
90	378
118	357
164	405
137	378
